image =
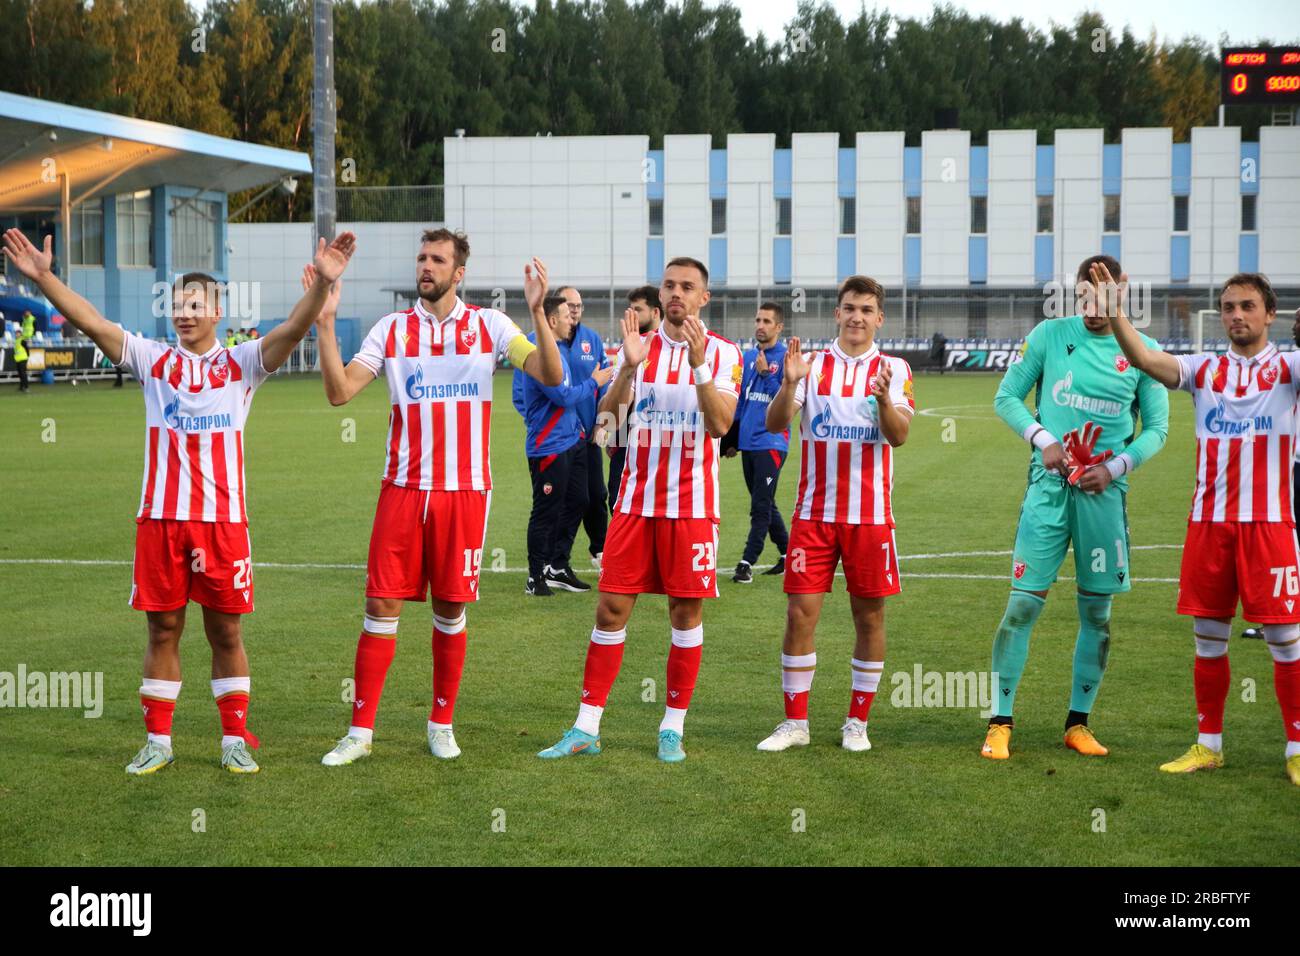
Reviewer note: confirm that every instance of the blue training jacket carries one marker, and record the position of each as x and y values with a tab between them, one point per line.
586	354
550	412
756	393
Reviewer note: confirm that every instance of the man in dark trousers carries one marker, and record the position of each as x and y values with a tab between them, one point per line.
762	453
556	446
644	301
586	355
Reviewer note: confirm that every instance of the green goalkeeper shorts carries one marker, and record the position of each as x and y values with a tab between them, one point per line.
1055	515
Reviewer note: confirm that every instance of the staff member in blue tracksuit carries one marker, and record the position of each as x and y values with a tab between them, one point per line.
586	356
761	453
555	444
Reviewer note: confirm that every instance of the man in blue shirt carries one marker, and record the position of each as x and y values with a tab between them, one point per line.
762	453
556	446
586	356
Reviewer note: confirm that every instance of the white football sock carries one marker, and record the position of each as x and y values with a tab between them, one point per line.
589	719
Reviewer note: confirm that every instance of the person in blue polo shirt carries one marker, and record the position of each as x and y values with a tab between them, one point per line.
762	453
555	442
586	355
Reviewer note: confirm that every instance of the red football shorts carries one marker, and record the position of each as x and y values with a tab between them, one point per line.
1225	560
816	547
674	556
209	562
427	541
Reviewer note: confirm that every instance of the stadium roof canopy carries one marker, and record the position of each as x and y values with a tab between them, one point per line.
102	152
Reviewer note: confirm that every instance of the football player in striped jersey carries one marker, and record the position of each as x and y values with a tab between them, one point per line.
192	540
436	486
857	407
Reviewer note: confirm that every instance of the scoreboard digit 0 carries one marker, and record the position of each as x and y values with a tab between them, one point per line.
1260	75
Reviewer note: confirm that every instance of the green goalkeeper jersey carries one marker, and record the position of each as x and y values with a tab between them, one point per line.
1078	376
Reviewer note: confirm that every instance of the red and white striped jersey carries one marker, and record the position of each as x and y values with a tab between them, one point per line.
672	461
195	409
846	474
1245	433
440	388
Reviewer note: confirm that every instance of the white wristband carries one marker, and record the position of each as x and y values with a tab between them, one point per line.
1042	439
1119	465
701	375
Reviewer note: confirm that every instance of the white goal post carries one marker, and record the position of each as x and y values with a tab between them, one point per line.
1198	333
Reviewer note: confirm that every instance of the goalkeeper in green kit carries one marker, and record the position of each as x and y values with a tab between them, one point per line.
1089	400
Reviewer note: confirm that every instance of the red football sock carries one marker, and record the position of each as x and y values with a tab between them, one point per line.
683	669
796	704
448	663
233	708
1286	682
157	714
860	704
1211	678
604	658
374	655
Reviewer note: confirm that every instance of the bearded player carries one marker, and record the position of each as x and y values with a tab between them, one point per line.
857	407
192	540
1085	444
682	381
1241	543
436	486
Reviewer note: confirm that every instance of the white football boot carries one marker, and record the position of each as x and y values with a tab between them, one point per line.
346	751
442	743
787	734
855	735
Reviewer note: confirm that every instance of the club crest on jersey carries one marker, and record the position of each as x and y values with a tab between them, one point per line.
1267	377
586	347
219	373
1121	363
468	337
1018	570
547	488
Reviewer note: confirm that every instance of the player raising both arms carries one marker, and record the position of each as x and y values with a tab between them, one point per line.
1089	400
681	382
192	538
857	408
437	483
1240	535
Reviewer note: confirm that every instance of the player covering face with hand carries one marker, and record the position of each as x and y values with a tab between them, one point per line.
1085	444
192	539
1241	541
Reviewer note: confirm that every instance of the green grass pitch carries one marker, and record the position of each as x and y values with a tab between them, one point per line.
922	796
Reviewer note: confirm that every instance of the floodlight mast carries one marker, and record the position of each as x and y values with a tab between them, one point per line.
323	121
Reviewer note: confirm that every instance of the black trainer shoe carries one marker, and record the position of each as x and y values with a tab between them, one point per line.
564	578
744	574
537	587
778	568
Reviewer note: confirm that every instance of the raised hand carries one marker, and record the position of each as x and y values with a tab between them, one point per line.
1110	293
30	261
797	366
880	389
697	340
602	376
635	349
331	307
331	260
535	283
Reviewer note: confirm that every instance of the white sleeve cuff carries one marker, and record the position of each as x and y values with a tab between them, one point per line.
1120	465
1039	437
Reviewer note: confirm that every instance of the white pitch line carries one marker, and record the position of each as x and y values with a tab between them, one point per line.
312	566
